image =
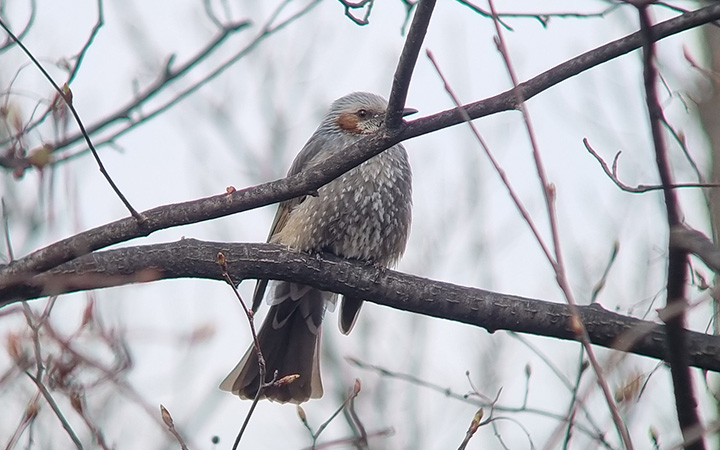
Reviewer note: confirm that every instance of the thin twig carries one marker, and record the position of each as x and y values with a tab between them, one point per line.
28	25
575	400
354	393
91	38
29	415
170	423
360	441
543	18
558	263
6	230
640	188
496	165
66	94
362	4
351	441
475	400
356	422
56	409
78	403
474	425
598	287
222	261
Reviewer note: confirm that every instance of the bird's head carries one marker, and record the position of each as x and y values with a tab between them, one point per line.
360	113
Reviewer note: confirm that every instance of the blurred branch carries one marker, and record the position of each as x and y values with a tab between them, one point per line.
695	242
678	261
640	188
65	96
528	89
543	18
558	264
136	111
91	38
190	258
349	6
477	400
56	409
9	42
315	434
166	78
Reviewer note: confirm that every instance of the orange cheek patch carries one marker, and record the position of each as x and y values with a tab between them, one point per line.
348	122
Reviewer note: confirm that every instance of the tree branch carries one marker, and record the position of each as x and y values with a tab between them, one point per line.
406	65
308	181
678	260
490	310
561	72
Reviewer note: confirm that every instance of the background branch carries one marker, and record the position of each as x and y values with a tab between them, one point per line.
678	262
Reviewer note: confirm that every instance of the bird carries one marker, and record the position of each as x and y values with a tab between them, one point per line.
363	215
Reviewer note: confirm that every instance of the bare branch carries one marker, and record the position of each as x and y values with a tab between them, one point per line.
490	310
561	72
65	94
56	409
543	18
9	42
640	188
222	262
692	241
361	4
406	64
678	263
134	107
558	264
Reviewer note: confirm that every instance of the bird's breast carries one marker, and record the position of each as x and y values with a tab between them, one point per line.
364	214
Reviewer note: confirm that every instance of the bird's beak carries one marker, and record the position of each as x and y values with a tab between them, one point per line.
408	111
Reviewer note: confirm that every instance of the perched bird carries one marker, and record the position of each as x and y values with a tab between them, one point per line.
363	215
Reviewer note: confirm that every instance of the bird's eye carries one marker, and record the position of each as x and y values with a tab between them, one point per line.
362	113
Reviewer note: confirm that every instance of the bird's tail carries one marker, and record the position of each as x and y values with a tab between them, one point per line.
290	344
349	311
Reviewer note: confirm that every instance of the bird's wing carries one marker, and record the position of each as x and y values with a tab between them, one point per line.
302	160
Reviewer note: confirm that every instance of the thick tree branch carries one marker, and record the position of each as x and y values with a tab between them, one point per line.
308	181
406	65
490	310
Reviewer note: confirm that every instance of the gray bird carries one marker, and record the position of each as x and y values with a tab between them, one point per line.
363	215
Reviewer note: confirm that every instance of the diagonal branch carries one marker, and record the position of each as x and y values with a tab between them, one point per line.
66	96
542	82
